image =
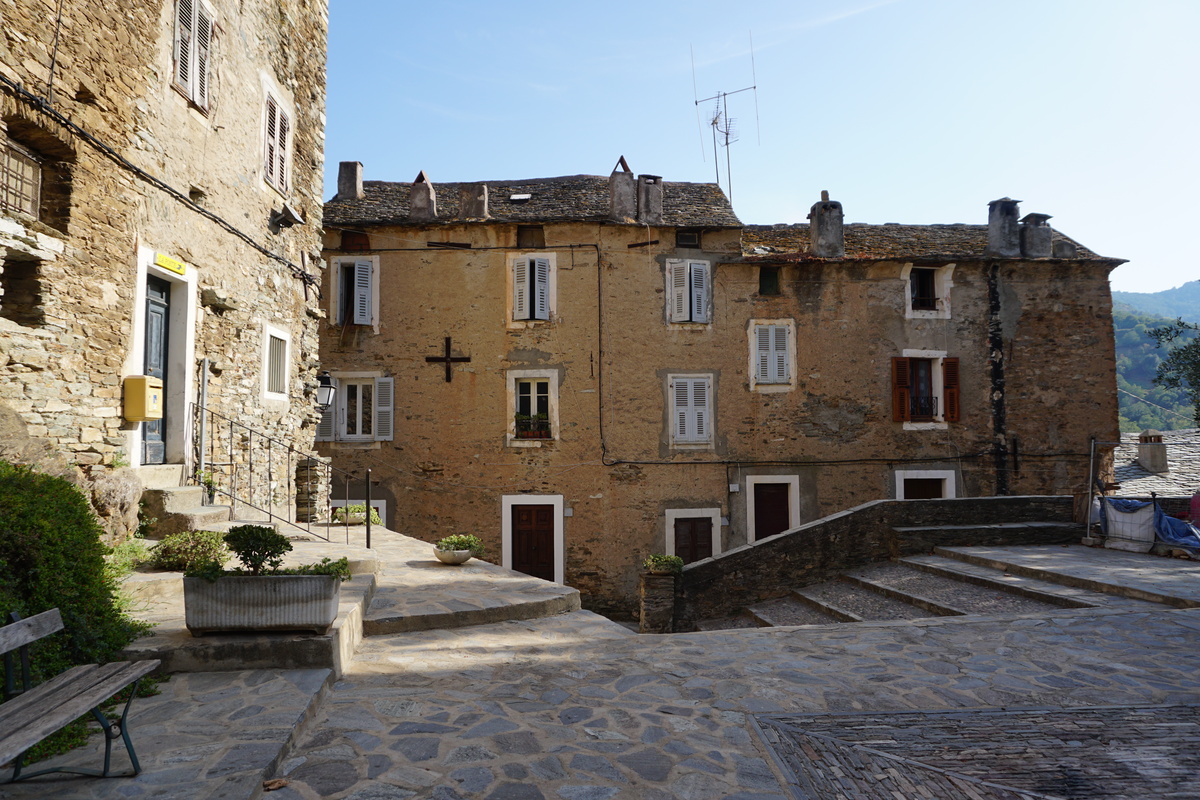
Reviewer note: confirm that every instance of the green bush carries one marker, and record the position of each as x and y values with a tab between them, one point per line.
181	552
51	556
258	547
340	514
462	541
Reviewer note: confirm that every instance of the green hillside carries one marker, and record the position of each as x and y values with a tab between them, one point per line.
1137	360
1182	301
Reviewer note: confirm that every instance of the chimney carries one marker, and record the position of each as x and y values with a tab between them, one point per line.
622	193
422	200
649	199
826	238
1152	453
1064	248
350	181
1003	231
473	201
1035	236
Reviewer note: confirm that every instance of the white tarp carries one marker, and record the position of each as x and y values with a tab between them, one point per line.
1128	527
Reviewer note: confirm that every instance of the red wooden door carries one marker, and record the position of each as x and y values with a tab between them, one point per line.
533	540
693	538
771	513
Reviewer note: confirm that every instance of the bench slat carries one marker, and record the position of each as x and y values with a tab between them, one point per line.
26	631
28	718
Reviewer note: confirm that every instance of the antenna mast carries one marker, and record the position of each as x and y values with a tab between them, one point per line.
724	127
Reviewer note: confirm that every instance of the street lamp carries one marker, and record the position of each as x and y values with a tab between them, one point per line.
325	391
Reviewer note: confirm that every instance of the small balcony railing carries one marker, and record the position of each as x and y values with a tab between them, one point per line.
532	428
923	409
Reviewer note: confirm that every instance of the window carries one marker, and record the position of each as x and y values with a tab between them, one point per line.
355	294
533	407
21	290
20	179
275	363
922	484
278	140
925	388
768	280
687	238
688	291
531	236
771	354
927	291
533	279
691	409
362	410
693	533
193	50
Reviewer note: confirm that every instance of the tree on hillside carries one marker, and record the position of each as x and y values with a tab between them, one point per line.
1181	368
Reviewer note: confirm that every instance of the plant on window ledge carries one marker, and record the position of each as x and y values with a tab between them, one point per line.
533	426
661	564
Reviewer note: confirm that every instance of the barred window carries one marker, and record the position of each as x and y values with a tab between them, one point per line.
20	180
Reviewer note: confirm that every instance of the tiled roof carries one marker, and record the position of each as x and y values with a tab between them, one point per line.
938	242
573	198
1183	459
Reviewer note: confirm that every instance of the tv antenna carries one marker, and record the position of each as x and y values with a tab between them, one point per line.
724	127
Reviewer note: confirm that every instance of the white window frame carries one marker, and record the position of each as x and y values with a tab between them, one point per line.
688	291
937	389
773	382
364	306
511	377
943	282
527	309
192	55
332	425
278	130
271	331
681	439
793	484
947	476
672	514
506	545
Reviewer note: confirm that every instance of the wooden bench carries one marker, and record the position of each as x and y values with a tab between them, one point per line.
31	713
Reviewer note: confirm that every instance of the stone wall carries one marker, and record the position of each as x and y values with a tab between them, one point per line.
874	531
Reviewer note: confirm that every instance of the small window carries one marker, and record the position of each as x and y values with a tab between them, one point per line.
531	237
20	180
355	241
768	280
772	353
193	51
533	409
687	238
532	277
355	294
922	289
927	291
276	365
691	409
278	141
925	389
688	291
362	411
21	291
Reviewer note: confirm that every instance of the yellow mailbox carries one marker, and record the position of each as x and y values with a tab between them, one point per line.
143	398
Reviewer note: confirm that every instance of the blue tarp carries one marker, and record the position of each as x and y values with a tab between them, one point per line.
1176	532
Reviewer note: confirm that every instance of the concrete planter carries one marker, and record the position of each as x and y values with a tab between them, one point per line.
254	604
452	556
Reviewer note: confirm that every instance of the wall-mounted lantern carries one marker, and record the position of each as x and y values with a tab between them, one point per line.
325	391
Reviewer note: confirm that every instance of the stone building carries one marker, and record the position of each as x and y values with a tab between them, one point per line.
586	370
158	216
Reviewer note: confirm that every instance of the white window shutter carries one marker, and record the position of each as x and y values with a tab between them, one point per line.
270	155
184	34
541	288
520	288
325	428
384	409
284	131
677	308
779	354
204	31
363	274
681	413
700	408
691	412
762	353
699	291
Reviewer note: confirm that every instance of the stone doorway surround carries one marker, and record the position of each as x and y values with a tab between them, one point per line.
507	502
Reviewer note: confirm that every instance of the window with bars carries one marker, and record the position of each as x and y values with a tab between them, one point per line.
278	141
925	389
691	409
193	51
276	365
688	291
20	179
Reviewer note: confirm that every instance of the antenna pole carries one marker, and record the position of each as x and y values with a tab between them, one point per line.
728	163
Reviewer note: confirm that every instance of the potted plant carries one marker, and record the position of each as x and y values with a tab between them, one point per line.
660	564
261	595
458	549
356	514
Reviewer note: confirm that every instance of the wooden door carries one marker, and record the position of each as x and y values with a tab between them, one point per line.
158	314
533	541
772	514
924	488
693	538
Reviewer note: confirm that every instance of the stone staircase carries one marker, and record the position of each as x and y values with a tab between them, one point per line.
952	582
177	507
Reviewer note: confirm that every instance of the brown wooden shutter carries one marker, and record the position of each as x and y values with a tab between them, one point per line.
950	386
901	389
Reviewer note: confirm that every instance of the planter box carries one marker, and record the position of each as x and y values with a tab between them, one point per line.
254	604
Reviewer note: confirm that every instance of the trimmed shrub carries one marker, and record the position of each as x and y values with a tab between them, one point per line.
188	550
52	556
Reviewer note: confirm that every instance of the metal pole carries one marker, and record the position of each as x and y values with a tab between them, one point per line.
368	508
203	413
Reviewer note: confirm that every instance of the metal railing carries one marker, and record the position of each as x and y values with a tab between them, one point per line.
258	474
923	408
532	428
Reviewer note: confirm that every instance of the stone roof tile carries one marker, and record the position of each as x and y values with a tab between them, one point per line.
1183	459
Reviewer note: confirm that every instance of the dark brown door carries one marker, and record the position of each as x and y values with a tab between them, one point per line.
923	488
533	540
693	538
771	509
158	313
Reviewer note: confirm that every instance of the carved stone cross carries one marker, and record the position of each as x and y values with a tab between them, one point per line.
447	359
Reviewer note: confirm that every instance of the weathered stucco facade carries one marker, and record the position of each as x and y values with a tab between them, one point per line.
705	384
177	143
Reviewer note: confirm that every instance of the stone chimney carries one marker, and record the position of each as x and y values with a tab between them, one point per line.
1064	249
473	201
422	200
622	193
350	181
1035	236
649	199
825	234
1003	230
1152	453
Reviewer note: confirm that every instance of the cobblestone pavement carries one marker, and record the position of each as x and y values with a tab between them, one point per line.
574	707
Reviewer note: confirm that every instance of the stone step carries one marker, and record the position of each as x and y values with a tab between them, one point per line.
925	538
201	518
785	611
941	592
852	603
160	476
172	500
738	622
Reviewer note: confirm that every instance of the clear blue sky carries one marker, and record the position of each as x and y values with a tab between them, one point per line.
914	111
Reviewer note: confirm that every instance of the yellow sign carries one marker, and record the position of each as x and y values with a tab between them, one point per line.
166	262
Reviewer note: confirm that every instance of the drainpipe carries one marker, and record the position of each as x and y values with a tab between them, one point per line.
996	356
203	413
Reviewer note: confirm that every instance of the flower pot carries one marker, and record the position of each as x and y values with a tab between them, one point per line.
452	556
661	571
257	603
354	518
